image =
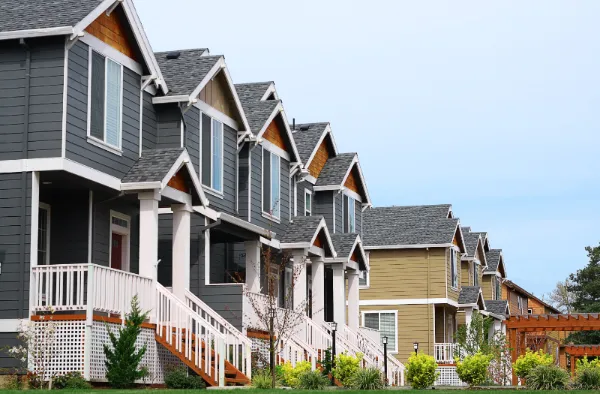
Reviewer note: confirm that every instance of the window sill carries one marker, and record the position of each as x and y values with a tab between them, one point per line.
271	217
103	145
212	192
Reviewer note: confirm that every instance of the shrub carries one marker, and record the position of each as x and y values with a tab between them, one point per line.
587	376
262	380
312	380
526	362
178	378
547	377
327	363
368	379
473	369
291	374
421	371
122	359
346	367
34	381
70	381
12	382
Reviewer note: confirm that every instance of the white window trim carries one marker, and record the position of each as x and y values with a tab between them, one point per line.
48	209
368	278
351	224
117	150
309	193
126	233
210	188
395	312
265	214
454	270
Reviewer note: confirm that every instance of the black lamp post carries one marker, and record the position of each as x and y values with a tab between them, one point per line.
385	371
416	347
333	330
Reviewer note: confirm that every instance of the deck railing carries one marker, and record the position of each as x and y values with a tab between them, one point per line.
445	353
368	344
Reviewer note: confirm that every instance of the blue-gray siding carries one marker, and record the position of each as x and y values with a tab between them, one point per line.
15	211
243	182
78	148
358	217
192	136
169	126
31	107
323	206
7	363
149	123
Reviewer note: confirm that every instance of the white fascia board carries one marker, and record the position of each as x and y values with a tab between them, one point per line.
323	225
290	136
108	51
353	265
91	174
409	301
216	114
177	195
278	108
10	325
31	33
317	251
184	160
418	246
356	163
354	195
207	212
328	187
236	98
171	99
310	179
140	186
270	89
275	149
337	260
295	245
316	147
270	242
207	78
245	225
462	238
92	16
28	165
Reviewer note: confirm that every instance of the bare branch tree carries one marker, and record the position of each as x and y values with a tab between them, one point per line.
561	297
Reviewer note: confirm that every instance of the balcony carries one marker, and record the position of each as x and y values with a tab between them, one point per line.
445	353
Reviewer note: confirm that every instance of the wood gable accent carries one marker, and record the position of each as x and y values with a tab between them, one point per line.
275	133
178	181
320	241
353	180
114	30
355	256
323	153
217	94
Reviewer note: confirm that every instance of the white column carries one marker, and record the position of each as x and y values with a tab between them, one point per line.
339	295
353	300
468	315
253	265
181	249
299	273
318	289
148	233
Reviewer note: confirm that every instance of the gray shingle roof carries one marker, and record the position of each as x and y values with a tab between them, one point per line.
335	169
303	229
493	260
343	243
185	73
258	112
252	91
43	14
153	166
307	140
413	225
469	295
471	240
497	307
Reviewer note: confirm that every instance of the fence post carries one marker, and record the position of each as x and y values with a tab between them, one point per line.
249	361
89	321
221	347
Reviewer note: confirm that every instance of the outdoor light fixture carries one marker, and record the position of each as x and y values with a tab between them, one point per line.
334	326
385	367
384	340
416	347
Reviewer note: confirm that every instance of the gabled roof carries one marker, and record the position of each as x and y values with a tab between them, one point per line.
303	231
346	244
471	241
157	167
253	91
495	262
408	227
471	295
512	285
484	239
309	136
185	73
497	307
336	171
258	113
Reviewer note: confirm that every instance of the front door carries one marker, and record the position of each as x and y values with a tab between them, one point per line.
116	251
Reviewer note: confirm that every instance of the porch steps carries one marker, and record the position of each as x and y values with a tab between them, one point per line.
233	376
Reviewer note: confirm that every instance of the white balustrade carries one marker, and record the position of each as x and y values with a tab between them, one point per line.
445	353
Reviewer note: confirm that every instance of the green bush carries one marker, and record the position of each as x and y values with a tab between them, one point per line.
528	361
421	371
178	378
547	377
368	379
291	374
473	370
312	380
70	381
346	367
262	380
587	375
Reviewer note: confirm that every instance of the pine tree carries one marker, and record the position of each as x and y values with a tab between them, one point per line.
122	359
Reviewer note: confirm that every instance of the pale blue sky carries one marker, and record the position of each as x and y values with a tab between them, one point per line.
489	106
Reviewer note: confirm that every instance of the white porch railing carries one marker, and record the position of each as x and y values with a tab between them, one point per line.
84	287
238	347
445	353
368	343
190	335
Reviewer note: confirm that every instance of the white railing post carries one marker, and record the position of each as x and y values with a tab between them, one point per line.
248	359
89	321
221	356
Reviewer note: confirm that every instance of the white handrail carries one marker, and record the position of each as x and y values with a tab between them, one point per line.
395	373
238	347
190	335
445	353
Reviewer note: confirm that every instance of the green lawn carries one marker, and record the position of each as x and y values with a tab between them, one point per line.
279	391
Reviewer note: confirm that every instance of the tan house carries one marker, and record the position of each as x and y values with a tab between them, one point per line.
412	292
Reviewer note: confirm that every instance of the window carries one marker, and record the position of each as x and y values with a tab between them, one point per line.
350	215
386	323
271	184
530	311
453	268
498	288
105	106
44	234
212	153
118	257
363	280
475	274
307	202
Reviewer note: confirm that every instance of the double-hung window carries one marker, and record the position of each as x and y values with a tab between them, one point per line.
307	202
453	268
498	288
350	214
106	100
271	177
475	274
387	325
212	153
363	280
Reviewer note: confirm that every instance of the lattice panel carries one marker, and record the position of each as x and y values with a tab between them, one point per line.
448	377
64	348
261	348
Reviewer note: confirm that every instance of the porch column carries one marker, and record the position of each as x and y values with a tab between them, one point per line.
468	315
181	249
253	265
318	289
353	300
299	274
339	295
149	233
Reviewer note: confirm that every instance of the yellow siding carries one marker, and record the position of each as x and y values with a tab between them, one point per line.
465	273
487	286
461	318
402	274
415	324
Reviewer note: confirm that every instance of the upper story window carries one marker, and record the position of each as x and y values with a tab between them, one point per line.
453	269
498	288
212	153
271	179
105	106
475	274
363	279
307	202
350	214
386	322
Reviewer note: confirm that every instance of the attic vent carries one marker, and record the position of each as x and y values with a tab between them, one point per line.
304	128
173	55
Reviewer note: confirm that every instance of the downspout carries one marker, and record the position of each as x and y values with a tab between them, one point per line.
429	317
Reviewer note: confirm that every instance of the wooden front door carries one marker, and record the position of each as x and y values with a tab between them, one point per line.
116	251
